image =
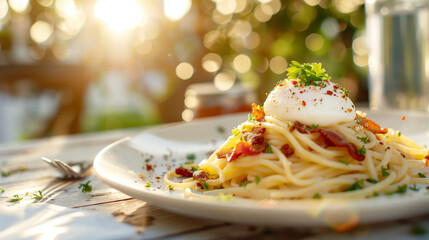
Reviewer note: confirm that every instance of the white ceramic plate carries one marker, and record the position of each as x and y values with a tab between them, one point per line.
122	163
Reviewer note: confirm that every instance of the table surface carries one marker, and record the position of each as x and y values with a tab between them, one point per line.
29	174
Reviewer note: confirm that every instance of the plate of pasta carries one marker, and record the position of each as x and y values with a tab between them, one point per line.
306	157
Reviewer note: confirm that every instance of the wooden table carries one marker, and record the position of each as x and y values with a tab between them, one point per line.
29	174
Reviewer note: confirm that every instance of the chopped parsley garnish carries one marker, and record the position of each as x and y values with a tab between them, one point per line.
243	184
375	194
343	161
357	121
365	139
257	179
372	180
418	230
85	187
268	149
38	196
384	172
355	186
414	188
401	189
399	134
191	156
204	184
362	150
5	174
317	196
170	188
147	184
422	175
1	190
308	74
314	126
220	129
235	131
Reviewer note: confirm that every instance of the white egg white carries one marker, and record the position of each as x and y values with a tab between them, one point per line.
318	105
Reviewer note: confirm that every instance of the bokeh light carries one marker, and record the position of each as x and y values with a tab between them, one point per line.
347	6
184	70
212	62
330	28
19	6
312	2
174	10
46	3
40	31
314	42
224	80
226	7
119	15
278	64
253	40
4	9
242	63
187	115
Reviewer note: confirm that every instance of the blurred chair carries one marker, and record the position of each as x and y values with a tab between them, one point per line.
71	81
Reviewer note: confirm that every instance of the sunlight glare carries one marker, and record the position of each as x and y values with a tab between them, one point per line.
119	15
176	9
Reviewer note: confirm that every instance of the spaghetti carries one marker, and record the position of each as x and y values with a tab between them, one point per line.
268	157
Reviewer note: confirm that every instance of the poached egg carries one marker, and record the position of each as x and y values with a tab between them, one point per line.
319	105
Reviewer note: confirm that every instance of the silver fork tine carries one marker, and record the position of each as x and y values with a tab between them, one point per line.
50	162
67	169
62	167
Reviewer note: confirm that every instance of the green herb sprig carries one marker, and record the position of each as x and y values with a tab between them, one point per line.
85	187
308	74
38	195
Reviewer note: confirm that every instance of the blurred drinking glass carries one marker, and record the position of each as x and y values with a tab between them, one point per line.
398	43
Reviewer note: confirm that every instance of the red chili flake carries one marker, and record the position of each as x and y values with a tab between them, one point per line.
294	82
427	161
157	177
303	103
335	87
329	92
148	167
184	172
301	92
403	118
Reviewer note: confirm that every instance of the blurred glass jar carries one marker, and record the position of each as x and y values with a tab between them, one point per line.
205	100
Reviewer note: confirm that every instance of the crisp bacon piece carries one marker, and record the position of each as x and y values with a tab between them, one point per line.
370	125
287	150
258	114
201	175
331	138
255	138
184	172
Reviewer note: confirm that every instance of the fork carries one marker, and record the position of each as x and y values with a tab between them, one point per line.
69	172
